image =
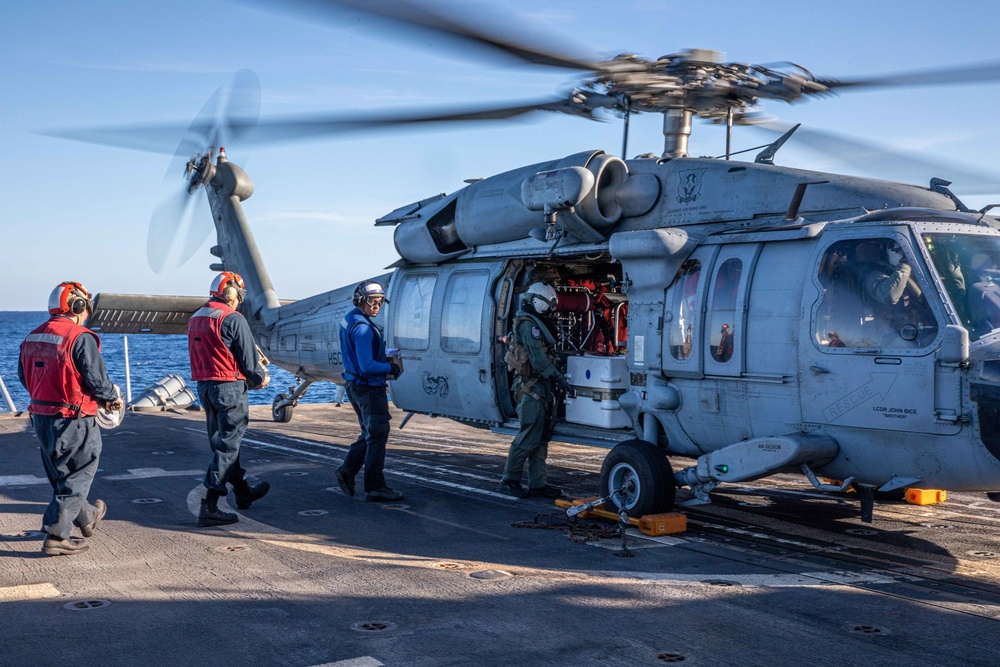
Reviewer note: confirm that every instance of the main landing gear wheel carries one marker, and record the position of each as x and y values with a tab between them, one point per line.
644	475
283	414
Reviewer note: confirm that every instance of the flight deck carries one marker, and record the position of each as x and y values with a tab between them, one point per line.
771	573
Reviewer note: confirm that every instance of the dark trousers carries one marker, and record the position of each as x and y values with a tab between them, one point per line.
372	408
71	451
227	413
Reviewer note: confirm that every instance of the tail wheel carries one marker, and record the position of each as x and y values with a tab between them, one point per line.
643	473
282	414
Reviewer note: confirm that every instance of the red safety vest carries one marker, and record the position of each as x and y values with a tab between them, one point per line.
210	358
54	383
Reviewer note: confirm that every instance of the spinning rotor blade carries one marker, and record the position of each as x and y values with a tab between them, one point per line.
175	232
292	128
231	116
981	73
418	17
176	229
868	158
161	138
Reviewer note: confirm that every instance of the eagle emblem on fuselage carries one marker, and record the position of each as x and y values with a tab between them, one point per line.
689	185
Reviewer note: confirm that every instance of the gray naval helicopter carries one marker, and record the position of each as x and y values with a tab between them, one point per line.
745	318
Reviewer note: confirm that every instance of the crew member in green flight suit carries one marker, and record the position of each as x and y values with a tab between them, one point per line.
533	390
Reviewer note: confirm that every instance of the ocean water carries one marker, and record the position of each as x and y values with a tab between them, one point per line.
151	358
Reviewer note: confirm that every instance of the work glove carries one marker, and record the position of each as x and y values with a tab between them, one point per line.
396	371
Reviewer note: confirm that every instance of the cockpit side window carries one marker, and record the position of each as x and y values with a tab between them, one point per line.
684	311
969	268
870	298
722	324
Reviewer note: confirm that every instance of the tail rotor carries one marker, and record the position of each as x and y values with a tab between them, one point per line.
178	225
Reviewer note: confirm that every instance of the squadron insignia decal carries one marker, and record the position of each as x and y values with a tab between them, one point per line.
435	384
689	185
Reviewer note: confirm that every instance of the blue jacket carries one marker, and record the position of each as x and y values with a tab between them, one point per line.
362	348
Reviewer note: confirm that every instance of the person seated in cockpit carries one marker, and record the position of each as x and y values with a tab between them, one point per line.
984	299
883	276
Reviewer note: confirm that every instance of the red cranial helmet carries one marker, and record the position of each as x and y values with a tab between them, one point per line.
69	298
227	280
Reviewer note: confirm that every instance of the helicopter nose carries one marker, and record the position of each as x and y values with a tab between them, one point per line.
986	396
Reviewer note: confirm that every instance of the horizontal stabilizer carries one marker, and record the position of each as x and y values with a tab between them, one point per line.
143	313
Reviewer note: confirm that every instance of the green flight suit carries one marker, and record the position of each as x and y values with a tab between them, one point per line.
534	407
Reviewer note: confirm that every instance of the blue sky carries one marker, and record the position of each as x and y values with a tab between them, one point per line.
77	211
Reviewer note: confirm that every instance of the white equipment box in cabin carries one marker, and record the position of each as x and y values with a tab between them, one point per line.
598	382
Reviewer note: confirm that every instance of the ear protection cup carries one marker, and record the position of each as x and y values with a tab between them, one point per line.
232	294
359	294
77	306
228	285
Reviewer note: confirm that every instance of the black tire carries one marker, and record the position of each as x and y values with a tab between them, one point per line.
282	415
645	472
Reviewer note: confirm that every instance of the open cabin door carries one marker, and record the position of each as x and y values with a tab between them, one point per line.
441	321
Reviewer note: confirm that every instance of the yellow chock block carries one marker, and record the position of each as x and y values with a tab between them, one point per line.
670	523
611	516
577	501
925	496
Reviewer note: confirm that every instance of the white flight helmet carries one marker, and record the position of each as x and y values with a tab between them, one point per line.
108	419
542	297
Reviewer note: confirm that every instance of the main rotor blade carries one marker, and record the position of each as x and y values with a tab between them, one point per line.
867	158
292	128
980	73
416	16
162	138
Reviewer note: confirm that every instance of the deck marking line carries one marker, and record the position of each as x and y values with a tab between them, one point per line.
454	525
791	580
22	480
366	661
28	592
398	473
149	473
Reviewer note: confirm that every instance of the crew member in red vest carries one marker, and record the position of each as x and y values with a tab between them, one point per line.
62	368
225	362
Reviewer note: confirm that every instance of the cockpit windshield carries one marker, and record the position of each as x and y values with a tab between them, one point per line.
969	268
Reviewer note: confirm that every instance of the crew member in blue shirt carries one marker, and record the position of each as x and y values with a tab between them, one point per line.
366	368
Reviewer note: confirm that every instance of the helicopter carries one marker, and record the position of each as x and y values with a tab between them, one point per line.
752	318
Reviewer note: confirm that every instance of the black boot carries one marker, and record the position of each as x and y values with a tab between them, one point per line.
211	515
55	546
247	493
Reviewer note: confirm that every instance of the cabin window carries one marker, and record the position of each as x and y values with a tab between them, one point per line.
411	309
722	321
684	310
463	312
871	298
